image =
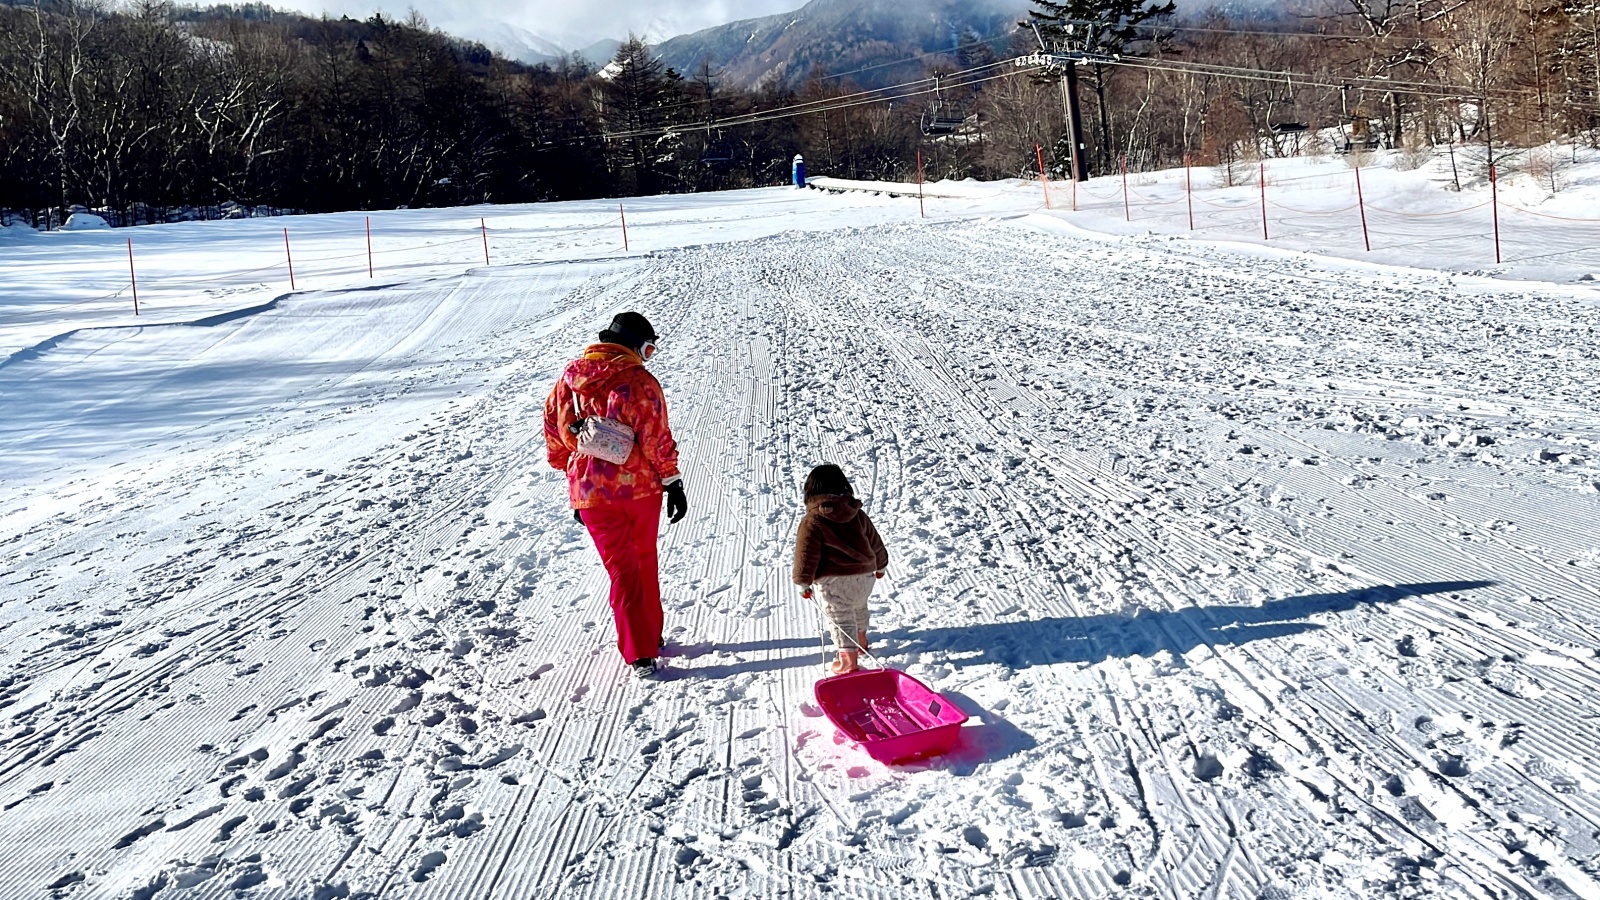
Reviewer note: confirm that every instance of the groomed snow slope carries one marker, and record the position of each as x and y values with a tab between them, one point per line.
1260	577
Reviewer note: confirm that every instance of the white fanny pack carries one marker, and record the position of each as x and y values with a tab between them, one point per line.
600	437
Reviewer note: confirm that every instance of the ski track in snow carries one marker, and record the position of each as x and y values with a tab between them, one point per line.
1258	580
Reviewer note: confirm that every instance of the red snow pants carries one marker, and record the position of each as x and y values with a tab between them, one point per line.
624	532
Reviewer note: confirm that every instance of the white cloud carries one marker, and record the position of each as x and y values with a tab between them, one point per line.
571	24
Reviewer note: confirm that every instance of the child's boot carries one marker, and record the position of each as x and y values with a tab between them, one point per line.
845	663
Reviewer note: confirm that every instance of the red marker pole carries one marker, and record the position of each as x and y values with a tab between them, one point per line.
1361	202
369	246
920	208
1126	212
1494	191
289	256
485	229
131	279
1039	152
1074	192
624	214
1188	188
1263	177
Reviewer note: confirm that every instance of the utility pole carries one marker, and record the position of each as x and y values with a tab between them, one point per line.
1067	65
1069	96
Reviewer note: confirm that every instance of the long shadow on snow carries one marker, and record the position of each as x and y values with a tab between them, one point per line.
1038	642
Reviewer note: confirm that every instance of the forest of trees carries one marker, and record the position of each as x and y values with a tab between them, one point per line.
146	110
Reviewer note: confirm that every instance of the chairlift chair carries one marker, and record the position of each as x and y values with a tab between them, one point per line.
938	121
941	118
716	156
718	153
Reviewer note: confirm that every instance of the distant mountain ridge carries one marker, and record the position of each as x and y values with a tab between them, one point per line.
836	36
525	46
883	37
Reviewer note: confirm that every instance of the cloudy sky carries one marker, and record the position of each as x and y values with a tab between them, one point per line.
572	23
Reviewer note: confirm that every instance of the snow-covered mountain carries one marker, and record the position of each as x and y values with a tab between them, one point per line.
508	40
833	33
836	34
600	52
839	35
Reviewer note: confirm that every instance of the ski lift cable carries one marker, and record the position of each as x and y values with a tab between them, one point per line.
907	90
1364	82
791	112
688	104
1360	82
744	118
1422	89
912	59
1383	82
1263	32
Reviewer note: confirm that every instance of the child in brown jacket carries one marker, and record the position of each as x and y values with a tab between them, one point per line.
839	555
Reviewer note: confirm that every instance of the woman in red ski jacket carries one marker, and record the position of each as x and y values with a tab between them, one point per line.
620	504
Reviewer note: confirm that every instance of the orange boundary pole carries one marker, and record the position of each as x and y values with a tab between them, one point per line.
289	256
1039	151
132	279
920	208
1361	201
485	229
1494	198
1263	177
624	214
1188	188
1127	213
369	246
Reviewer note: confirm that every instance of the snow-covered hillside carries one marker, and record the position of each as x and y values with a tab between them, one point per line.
1259	575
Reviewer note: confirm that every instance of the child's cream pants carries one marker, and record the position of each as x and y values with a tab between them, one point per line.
845	599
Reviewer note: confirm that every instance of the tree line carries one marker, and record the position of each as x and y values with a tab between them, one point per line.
148	111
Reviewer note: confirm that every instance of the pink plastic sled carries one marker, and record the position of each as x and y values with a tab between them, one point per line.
894	717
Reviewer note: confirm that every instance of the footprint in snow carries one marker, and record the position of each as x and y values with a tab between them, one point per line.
65	881
427	864
225	832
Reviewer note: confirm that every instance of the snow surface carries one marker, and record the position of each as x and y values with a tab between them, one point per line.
1414	217
1260	575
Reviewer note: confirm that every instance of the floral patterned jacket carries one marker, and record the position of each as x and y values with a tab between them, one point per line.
610	380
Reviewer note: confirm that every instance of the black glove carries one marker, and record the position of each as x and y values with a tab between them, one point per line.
677	503
577	516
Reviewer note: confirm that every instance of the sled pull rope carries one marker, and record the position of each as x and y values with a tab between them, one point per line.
823	640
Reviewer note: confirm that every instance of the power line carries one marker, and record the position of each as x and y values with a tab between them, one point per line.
911	59
969	77
907	90
1366	83
1362	82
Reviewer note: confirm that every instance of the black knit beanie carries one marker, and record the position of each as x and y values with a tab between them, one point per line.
827	479
630	330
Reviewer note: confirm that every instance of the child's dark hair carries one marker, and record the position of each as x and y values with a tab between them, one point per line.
827	479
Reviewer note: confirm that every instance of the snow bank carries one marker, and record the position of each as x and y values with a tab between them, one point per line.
84	221
17	231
